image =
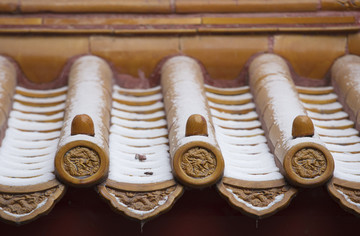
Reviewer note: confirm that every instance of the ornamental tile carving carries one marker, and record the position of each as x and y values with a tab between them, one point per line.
350	4
309	163
23	203
198	162
258	197
353	194
81	162
142	201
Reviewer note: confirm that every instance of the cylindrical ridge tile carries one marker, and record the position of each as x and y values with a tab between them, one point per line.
8	79
196	158
345	76
82	157
273	63
304	160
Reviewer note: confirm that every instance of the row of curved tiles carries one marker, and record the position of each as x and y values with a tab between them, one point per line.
256	143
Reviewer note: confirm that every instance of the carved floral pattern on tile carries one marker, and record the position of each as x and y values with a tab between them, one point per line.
258	197
142	201
24	203
353	194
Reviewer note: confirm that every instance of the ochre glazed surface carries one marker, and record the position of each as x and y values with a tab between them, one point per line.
145	99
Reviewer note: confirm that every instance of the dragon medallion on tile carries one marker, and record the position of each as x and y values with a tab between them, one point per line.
81	162
24	203
257	197
309	163
142	201
198	162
